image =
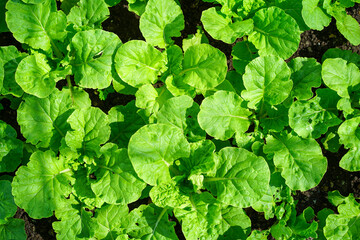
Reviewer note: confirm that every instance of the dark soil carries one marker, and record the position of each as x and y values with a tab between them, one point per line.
126	25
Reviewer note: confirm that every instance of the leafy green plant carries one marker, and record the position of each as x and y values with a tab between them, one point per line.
255	138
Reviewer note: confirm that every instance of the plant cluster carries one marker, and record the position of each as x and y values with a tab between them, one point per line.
257	136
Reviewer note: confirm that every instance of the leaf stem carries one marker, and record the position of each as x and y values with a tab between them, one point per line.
71	88
57	52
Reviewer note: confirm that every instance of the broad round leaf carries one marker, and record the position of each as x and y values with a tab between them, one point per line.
7	204
43	120
154	148
349	27
315	15
37	25
92	57
39	186
90	128
275	33
241	178
222	115
301	169
138	63
266	79
11	58
13	229
33	76
116	181
349	133
204	67
162	20
306	74
339	75
11	150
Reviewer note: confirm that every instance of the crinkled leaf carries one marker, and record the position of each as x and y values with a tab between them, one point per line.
275	32
349	133
223	28
76	221
313	118
39	186
149	222
301	169
124	122
138	63
314	15
305	74
162	20
33	76
13	229
346	224
37	25
169	195
11	149
109	218
116	181
243	53
222	115
203	220
156	147
241	179
43	120
267	80
91	55
90	129
341	76
7	204
10	59
193	39
204	67
88	14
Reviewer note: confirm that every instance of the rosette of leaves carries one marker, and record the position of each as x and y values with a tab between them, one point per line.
271	29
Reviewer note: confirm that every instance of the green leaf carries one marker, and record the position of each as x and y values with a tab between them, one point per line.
314	15
204	67
223	28
137	6
76	220
124	122
88	14
90	128
349	27
341	76
169	195
11	150
162	20
224	114
7	204
156	147
91	54
182	112
39	186
349	133
346	224
193	39
116	181
10	59
37	25
13	229
109	218
43	120
294	9
301	169
149	222
33	76
275	32
239	222
3	26
267	80
203	220
66	5
305	74
138	63
347	55
276	118
243	53
312	118
241	178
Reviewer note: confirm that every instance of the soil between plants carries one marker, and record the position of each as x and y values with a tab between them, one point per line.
126	25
